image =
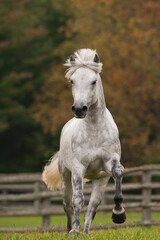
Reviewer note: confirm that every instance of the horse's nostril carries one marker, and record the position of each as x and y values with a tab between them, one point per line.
73	108
84	108
79	110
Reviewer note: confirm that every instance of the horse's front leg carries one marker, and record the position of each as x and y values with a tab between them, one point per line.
77	201
118	215
95	199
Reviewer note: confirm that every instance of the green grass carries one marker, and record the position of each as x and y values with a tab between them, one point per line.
136	233
61	220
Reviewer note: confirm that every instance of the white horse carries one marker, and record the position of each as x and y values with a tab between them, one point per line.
89	145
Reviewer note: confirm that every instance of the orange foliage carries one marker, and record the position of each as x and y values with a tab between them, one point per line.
126	36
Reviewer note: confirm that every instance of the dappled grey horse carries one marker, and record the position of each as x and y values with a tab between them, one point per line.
89	146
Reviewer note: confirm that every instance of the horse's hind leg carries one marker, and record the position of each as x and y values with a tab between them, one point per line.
118	215
67	197
96	197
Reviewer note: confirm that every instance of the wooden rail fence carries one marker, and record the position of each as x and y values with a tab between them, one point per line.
26	195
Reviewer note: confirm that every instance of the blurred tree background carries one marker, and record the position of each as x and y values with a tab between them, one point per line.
36	37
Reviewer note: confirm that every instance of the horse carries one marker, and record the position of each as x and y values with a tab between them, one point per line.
89	146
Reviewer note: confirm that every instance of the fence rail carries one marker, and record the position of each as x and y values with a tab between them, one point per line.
26	195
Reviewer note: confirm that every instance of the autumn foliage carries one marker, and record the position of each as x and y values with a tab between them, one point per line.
36	37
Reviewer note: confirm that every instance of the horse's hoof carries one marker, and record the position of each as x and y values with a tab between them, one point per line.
73	233
85	234
119	218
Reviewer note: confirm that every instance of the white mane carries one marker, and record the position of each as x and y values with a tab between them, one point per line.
82	58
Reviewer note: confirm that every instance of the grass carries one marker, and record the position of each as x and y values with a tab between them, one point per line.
136	233
61	220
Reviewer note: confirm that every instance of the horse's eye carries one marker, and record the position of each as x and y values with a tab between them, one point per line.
93	83
71	81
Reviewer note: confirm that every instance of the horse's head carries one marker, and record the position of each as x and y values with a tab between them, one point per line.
84	85
84	75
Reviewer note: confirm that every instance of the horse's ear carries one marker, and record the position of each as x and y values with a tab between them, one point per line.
72	58
96	58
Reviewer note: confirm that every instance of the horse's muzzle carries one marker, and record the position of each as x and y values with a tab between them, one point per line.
79	110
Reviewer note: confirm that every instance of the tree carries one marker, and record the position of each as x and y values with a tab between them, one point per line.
36	37
29	36
126	36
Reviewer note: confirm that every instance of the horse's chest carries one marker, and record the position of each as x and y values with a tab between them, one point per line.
88	147
92	142
85	140
88	151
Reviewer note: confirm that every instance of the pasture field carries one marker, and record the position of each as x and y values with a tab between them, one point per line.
61	220
136	233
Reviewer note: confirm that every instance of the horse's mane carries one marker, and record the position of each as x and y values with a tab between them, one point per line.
83	58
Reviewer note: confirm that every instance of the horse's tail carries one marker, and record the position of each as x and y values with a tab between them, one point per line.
51	175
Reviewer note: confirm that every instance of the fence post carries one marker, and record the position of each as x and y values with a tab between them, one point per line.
45	204
146	198
36	191
46	218
4	192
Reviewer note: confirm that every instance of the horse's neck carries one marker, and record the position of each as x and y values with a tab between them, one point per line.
101	99
97	112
